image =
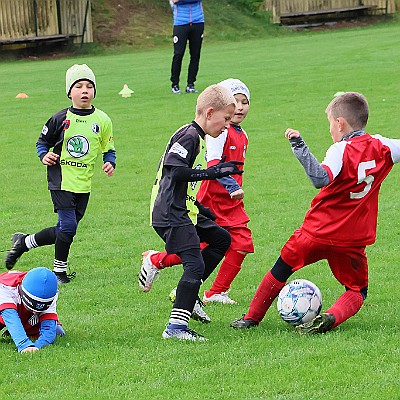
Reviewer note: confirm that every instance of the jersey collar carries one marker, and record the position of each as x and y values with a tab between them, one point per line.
81	111
198	129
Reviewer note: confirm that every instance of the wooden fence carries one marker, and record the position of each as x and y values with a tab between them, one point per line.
30	19
279	7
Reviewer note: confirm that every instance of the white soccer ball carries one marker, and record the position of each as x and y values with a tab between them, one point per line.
299	302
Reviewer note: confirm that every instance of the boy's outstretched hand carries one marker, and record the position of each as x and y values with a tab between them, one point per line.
225	168
292	133
108	169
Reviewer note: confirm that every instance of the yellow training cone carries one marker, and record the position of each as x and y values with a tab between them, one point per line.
126	92
21	96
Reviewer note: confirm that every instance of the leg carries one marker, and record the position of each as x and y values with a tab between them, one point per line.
180	38
188	286
267	291
70	208
218	240
195	42
350	268
295	254
66	230
22	243
242	244
162	259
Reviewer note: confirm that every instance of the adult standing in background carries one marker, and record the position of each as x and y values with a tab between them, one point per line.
188	27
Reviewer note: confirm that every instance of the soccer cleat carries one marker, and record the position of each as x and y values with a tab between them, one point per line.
183	333
190	88
63	277
176	90
172	295
243	323
222	298
199	314
320	324
148	271
17	249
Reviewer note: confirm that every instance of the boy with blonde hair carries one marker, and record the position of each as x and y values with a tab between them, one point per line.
174	213
224	197
343	215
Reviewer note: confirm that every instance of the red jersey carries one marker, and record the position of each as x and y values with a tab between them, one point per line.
10	298
344	213
233	145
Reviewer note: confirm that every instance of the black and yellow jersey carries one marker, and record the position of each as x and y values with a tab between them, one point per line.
78	136
172	202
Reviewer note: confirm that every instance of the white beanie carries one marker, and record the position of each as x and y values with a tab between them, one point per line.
236	86
79	72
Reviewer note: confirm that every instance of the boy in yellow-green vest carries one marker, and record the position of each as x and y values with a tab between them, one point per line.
69	145
175	214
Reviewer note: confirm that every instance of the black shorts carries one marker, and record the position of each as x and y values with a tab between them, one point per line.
181	238
63	200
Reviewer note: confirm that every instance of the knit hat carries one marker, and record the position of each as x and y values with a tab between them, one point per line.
79	72
236	86
38	289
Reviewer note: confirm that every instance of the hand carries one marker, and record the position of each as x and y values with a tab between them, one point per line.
203	210
292	134
226	168
108	168
50	159
237	194
30	349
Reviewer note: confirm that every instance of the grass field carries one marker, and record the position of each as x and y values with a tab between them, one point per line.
113	348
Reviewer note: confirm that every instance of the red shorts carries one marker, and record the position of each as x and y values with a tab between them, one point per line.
241	238
349	265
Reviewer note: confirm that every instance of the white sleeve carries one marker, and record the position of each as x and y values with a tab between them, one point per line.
334	158
8	295
215	146
393	144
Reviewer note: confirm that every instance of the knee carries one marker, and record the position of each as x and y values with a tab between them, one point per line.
65	237
224	240
364	292
68	223
281	271
192	278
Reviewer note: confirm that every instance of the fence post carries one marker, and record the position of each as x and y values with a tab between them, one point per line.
59	16
35	17
276	12
84	21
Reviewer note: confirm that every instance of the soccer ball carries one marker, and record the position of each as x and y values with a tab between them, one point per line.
299	302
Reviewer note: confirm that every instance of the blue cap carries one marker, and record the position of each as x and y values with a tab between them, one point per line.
38	289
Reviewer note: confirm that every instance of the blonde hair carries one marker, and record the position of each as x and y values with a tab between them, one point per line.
214	96
351	106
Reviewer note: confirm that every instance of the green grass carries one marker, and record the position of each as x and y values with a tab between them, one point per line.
113	348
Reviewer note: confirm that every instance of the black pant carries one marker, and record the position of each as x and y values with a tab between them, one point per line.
182	34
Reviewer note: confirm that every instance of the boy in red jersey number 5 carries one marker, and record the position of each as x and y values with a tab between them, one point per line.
343	215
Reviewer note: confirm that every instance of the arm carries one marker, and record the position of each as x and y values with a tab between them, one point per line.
47	140
16	330
47	333
215	150
109	153
109	159
318	175
222	169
